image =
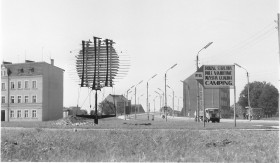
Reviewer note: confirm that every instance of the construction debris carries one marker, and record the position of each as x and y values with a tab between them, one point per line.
74	121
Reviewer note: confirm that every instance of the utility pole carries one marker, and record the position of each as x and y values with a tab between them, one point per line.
135	97
148	110
197	111
165	90
278	27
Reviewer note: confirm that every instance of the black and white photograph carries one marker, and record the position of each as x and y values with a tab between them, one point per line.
140	80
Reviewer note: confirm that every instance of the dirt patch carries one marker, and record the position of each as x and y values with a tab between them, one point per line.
222	143
145	124
74	121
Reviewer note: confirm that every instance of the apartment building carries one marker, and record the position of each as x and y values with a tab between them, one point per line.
31	91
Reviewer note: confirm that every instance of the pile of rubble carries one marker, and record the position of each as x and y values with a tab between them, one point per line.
74	121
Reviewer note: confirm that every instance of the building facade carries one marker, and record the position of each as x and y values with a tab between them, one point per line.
213	98
31	91
120	102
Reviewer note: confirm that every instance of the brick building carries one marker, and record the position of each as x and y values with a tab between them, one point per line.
120	103
31	91
214	98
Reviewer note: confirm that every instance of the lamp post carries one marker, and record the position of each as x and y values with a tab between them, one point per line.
165	75
172	99
139	103
162	98
135	97
128	91
197	111
159	101
148	110
248	89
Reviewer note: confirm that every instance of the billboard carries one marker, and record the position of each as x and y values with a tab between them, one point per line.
217	76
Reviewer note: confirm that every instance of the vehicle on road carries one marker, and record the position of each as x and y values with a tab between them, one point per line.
212	114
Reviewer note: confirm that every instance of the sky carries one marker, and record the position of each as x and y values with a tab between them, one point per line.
154	34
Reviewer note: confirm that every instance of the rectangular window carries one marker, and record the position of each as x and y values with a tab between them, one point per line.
12	85
19	99
34	99
34	84
19	84
12	114
26	84
34	113
25	99
3	100
3	86
12	99
25	113
19	113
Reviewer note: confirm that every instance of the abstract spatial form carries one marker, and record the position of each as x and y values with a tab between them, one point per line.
98	65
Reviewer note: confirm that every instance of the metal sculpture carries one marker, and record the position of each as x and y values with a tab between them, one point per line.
97	65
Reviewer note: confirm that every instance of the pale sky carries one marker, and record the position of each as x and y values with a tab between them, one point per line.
155	34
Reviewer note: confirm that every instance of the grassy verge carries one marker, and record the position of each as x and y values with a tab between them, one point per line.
139	145
114	123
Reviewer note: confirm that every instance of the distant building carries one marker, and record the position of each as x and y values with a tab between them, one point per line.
214	98
120	102
31	91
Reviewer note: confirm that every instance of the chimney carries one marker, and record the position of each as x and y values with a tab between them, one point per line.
52	62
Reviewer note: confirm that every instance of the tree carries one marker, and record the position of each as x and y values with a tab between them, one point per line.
269	100
262	95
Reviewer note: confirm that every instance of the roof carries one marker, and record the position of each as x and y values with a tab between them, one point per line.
27	68
118	97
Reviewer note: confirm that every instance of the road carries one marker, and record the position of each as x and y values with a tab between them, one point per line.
274	123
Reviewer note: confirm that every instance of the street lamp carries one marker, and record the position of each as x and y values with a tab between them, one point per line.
128	91
135	97
139	103
148	94
165	88
159	101
248	89
197	111
162	98
172	99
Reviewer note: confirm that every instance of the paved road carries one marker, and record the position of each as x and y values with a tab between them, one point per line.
274	123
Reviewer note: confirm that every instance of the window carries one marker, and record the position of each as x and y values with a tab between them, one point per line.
34	113
12	114
3	86
25	113
19	113
19	84
34	99
19	99
3	100
25	84
4	73
12	99
34	84
25	99
12	85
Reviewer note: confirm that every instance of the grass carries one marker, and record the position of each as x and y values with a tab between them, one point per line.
115	123
139	140
139	145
